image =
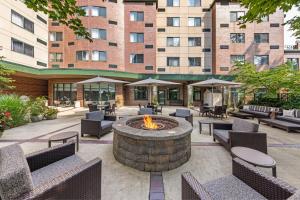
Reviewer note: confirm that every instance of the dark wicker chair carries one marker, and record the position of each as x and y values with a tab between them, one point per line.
217	112
246	182
57	173
203	110
240	133
184	113
112	109
159	109
93	107
96	124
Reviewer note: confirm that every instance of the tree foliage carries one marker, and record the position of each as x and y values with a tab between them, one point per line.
63	11
273	80
257	9
5	80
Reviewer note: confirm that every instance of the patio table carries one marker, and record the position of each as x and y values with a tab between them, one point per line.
209	123
64	136
255	158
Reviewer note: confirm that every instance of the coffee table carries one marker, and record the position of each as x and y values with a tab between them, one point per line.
255	158
209	122
64	136
241	115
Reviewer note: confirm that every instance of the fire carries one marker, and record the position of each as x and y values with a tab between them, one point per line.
149	123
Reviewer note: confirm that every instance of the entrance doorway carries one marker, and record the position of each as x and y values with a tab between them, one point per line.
161	97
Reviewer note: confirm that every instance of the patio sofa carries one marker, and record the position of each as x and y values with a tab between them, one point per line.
54	173
240	133
96	124
245	183
184	113
293	116
259	111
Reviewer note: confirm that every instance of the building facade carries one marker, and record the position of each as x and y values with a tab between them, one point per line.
292	54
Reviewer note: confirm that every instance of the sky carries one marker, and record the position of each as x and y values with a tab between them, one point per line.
288	38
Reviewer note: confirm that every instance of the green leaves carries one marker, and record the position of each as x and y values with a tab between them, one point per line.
5	81
63	11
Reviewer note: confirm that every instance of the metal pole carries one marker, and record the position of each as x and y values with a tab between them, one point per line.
212	95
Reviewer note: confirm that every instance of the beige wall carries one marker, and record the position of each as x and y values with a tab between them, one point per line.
9	30
184	31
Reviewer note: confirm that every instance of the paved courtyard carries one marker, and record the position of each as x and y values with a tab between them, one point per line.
208	161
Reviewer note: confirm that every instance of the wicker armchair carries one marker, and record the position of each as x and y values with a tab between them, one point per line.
93	107
184	113
56	173
246	182
96	124
240	133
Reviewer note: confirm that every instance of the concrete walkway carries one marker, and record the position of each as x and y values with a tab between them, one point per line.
208	161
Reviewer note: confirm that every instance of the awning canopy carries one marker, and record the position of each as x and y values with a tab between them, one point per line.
100	80
214	82
152	82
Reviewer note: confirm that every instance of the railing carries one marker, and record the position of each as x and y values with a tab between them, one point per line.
291	47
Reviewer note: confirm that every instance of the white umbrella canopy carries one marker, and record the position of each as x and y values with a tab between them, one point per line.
149	82
100	80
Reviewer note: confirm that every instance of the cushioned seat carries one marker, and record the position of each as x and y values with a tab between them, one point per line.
96	115
145	111
244	126
106	124
48	173
223	134
182	113
230	187
289	119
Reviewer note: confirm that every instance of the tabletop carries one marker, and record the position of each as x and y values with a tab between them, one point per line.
64	135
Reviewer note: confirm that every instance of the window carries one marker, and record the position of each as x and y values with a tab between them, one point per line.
265	19
261	60
136	16
86	10
82	55
56	36
173	41
98	11
173	3
261	37
194	41
98	33
173	61
174	94
64	92
237	58
41	19
194	21
237	37
236	15
197	94
137	37
21	21
99	56
294	62
21	47
99	91
136	58
173	21
194	61
56	57
140	93
194	3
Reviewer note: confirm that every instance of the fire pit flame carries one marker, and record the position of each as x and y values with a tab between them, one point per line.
149	124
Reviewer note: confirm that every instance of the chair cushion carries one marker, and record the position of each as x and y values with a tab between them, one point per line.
96	115
223	134
15	176
48	173
288	113
289	119
106	124
295	196
183	113
246	107
146	111
297	113
230	187
243	125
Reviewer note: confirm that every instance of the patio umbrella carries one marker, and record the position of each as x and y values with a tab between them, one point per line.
149	82
212	83
99	79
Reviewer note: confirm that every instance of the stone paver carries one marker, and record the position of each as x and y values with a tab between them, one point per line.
208	160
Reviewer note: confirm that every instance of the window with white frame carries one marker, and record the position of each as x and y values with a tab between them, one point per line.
86	10
236	15
21	21
56	57
22	47
97	33
173	21
99	56
136	58
237	37
173	61
55	36
261	37
82	55
294	62
261	60
137	16
173	41
194	61
98	11
194	21
194	41
194	3
237	58
173	3
137	37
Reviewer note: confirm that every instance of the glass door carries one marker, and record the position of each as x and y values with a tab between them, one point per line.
161	97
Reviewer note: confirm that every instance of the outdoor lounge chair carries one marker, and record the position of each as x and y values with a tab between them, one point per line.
93	107
146	111
245	183
96	123
54	173
240	133
184	113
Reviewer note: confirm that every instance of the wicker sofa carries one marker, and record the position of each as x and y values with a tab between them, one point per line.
240	133
245	183
96	124
295	118
184	113
54	173
259	111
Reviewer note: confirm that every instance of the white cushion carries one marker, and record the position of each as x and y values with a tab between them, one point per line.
289	113
246	107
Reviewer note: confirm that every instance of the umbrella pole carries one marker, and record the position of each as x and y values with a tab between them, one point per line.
212	95
222	95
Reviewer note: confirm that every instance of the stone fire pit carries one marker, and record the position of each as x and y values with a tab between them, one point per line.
152	150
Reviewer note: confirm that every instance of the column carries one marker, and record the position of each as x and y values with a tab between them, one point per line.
190	99
154	95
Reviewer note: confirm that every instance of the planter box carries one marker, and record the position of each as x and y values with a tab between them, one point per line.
36	118
51	117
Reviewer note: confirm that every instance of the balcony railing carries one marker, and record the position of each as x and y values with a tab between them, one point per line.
291	47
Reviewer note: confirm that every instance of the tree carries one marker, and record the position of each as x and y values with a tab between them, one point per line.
63	11
5	80
273	80
257	9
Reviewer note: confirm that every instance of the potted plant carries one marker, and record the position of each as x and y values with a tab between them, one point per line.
5	121
51	113
37	109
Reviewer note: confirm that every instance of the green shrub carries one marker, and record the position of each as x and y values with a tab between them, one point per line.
37	106
18	108
50	112
291	103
